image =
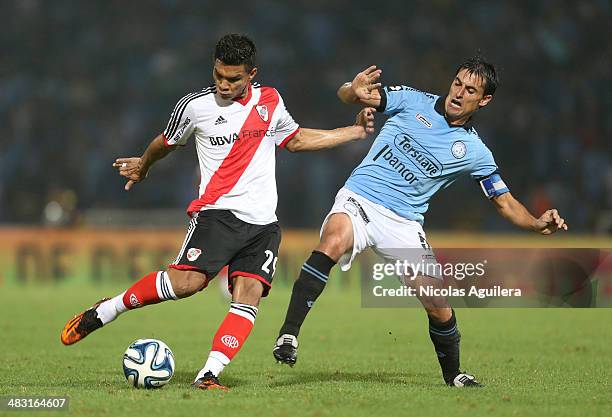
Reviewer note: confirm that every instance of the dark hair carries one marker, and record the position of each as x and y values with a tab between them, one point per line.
479	67
235	49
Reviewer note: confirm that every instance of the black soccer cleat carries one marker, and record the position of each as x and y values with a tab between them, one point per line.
208	382
285	350
464	380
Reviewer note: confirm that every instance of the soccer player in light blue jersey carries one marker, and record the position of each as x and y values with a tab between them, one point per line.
425	145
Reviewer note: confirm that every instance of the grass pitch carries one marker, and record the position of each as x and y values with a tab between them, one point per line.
353	361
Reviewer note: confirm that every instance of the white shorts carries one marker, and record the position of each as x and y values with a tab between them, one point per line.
389	235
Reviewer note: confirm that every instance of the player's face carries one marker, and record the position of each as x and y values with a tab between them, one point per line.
232	81
465	96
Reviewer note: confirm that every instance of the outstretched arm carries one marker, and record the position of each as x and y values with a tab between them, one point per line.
317	139
363	89
512	210
135	169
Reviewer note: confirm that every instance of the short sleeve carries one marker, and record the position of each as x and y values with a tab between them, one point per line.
486	173
286	127
484	166
394	99
181	123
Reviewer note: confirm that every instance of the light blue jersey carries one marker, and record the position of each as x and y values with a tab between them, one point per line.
418	153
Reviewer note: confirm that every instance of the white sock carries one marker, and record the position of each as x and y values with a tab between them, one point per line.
215	364
110	310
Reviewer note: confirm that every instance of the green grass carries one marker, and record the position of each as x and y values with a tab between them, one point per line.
353	361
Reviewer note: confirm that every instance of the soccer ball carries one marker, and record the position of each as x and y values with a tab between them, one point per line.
148	363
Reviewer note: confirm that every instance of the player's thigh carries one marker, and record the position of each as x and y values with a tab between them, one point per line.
337	236
404	240
256	261
344	233
212	239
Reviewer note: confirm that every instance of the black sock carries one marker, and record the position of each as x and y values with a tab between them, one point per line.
446	337
306	290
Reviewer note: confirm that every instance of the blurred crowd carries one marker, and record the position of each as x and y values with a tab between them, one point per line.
82	83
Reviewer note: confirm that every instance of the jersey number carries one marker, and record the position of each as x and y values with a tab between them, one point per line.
271	260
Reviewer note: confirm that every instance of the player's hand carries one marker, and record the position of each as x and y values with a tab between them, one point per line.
365	119
365	85
550	222
131	168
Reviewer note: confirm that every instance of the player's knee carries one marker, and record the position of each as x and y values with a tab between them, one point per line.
334	244
440	315
334	241
247	290
186	283
337	235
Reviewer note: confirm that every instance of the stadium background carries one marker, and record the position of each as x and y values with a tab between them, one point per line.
90	81
82	83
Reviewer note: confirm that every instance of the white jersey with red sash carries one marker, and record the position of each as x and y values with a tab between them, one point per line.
235	142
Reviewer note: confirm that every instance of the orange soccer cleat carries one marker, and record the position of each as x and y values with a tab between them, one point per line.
82	324
209	382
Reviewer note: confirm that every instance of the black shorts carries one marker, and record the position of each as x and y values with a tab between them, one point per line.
216	238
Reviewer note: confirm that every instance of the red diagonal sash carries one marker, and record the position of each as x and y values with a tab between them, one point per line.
242	152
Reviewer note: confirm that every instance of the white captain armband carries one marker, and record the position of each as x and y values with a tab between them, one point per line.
493	186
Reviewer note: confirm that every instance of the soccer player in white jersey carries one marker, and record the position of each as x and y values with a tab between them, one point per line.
236	125
427	143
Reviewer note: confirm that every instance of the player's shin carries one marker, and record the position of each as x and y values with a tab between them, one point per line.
306	290
446	337
230	338
153	288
